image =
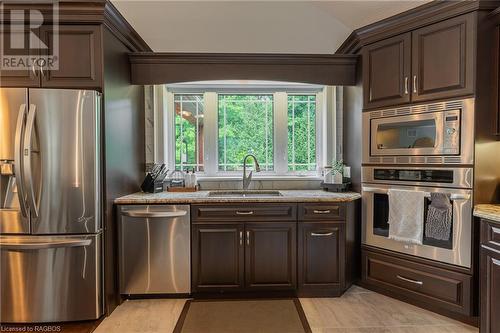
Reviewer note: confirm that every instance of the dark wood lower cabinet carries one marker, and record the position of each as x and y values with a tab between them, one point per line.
437	287
217	257
308	249
270	255
490	277
321	258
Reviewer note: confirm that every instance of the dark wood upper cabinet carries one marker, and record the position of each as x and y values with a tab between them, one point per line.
217	257
321	248
270	253
442	59
80	57
17	78
387	71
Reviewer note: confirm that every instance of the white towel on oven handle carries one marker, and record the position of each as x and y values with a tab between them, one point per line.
406	215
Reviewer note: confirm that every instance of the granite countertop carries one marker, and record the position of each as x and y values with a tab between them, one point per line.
488	211
202	197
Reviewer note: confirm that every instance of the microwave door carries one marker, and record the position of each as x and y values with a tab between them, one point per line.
61	161
14	217
419	134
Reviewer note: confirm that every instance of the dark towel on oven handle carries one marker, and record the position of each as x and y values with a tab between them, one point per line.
439	217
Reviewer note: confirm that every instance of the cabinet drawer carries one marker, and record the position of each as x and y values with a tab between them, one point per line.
321	212
490	234
242	212
420	282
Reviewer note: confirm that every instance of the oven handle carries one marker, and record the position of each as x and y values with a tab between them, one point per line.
426	194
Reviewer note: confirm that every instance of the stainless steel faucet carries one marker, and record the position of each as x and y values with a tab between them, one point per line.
247	180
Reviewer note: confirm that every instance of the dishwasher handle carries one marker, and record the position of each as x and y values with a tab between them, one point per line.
153	214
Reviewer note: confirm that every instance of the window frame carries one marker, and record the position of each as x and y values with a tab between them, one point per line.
280	130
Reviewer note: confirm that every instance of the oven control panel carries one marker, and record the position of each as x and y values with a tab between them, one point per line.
451	135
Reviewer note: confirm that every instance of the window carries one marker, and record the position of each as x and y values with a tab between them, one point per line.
245	127
212	128
188	132
302	132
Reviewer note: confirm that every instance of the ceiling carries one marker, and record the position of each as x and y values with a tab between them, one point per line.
253	26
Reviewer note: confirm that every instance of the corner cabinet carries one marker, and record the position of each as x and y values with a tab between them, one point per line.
433	62
490	276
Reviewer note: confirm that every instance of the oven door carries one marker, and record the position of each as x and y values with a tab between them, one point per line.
375	229
419	134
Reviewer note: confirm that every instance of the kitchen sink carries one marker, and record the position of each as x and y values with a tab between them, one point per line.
244	194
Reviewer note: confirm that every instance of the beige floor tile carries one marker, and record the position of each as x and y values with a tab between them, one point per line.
143	316
363	309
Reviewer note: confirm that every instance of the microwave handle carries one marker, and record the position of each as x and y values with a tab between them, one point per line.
427	194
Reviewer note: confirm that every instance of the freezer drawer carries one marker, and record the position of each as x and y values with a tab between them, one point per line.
50	278
155	249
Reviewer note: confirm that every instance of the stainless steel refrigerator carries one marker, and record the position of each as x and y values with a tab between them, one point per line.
50	205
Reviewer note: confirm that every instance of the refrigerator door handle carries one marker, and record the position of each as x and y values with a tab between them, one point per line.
34	245
18	161
28	134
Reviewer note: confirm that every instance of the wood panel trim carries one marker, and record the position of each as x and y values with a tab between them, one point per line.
412	19
161	68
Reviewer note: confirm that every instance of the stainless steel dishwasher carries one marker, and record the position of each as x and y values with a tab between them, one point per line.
155	249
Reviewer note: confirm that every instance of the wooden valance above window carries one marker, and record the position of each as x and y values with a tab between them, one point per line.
162	68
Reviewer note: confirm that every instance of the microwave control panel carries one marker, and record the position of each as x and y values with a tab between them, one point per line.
451	132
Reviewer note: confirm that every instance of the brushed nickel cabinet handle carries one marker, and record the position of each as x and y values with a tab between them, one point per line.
415	84
241	238
420	283
244	213
34	70
320	234
248	238
321	211
406	85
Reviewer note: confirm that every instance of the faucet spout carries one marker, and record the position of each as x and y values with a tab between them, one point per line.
248	179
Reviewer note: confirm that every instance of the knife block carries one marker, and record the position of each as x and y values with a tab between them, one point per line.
151	185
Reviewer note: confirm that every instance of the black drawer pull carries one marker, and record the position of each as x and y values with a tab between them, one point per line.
420	283
321	211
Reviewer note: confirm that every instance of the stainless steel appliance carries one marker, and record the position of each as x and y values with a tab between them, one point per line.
155	249
438	133
50	205
457	182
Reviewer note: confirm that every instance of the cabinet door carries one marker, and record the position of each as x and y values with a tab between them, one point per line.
15	44
490	290
442	59
386	72
321	255
79	54
217	257
270	255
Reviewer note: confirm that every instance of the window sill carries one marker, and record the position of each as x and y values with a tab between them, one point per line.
258	177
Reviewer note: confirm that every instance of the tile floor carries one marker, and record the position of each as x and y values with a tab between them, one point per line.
357	311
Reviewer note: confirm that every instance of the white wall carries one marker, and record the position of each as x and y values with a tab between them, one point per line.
253	26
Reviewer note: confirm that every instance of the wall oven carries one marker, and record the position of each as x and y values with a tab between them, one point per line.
453	181
438	133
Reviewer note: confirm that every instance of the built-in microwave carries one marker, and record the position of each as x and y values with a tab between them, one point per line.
439	133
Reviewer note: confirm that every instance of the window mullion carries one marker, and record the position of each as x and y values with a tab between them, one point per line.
210	134
280	133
